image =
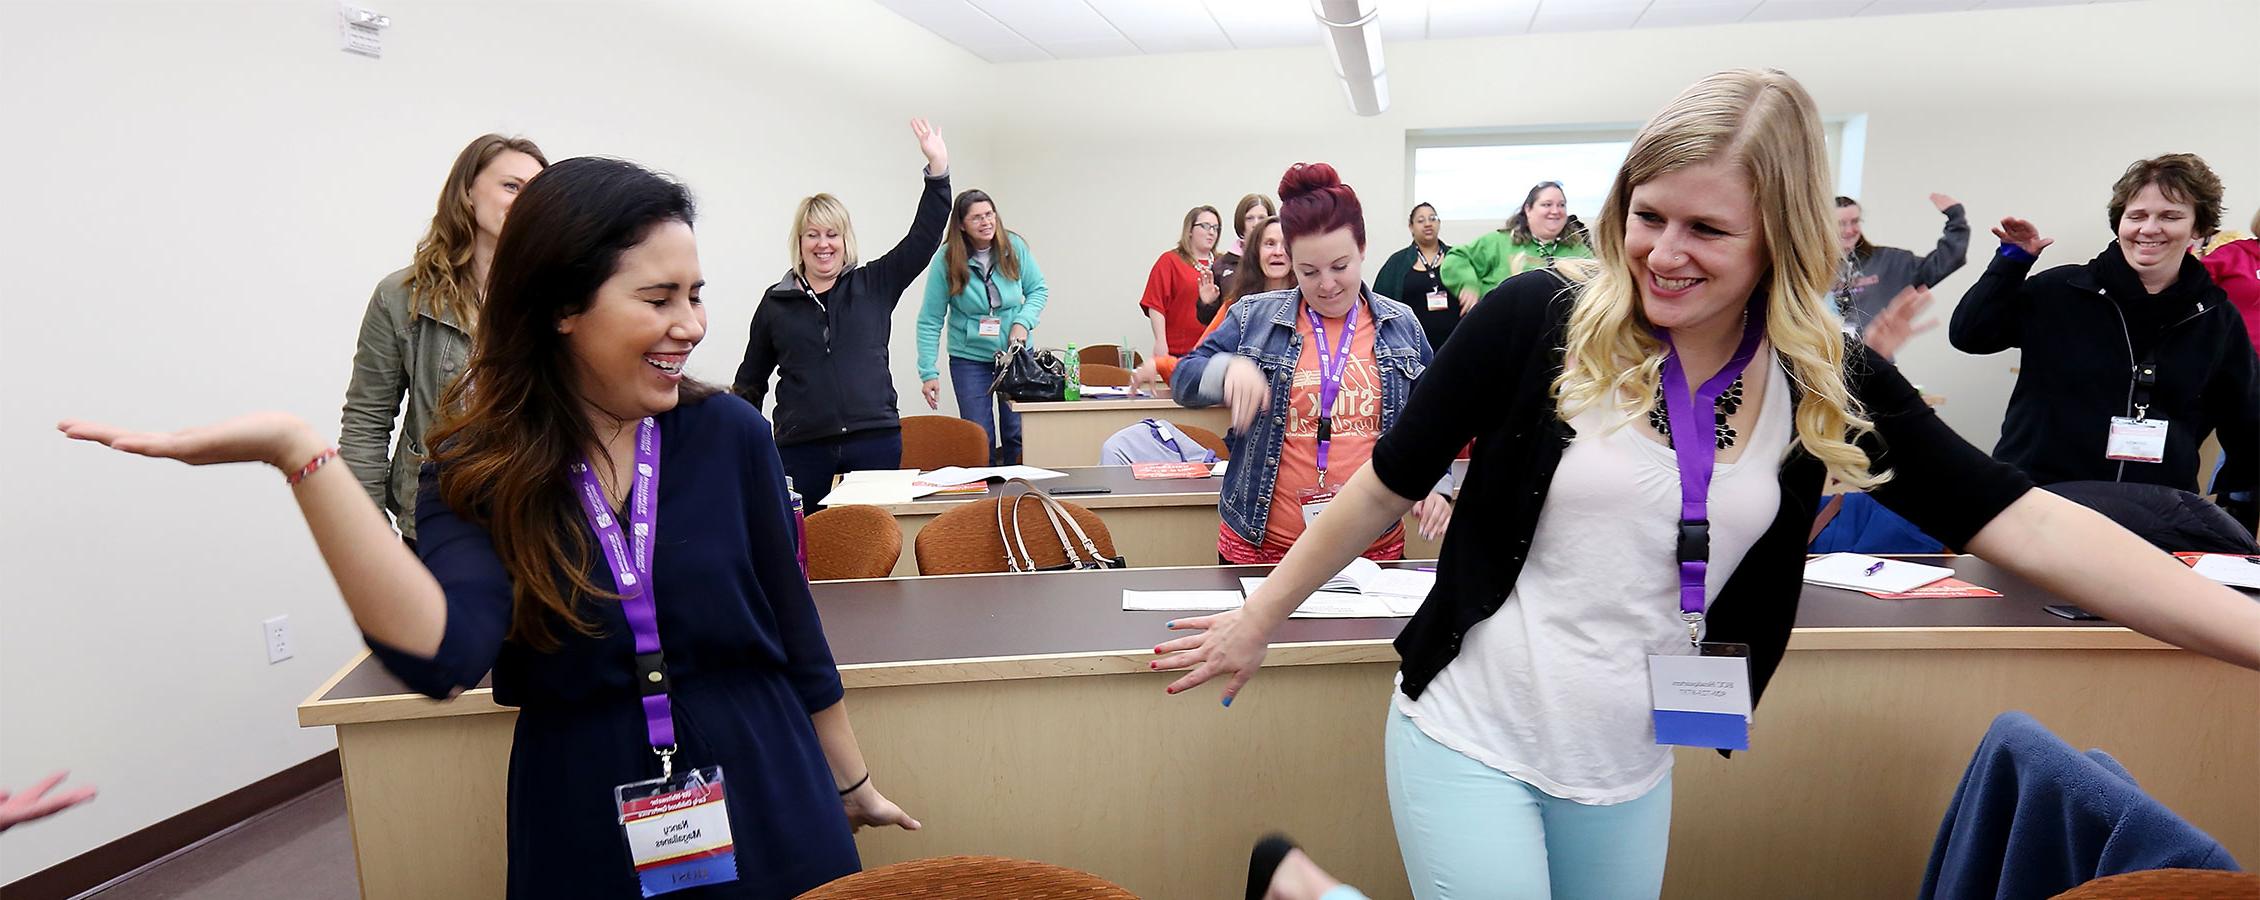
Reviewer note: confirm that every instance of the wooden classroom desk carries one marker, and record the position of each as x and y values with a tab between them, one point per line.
1015	716
1165	522
1069	433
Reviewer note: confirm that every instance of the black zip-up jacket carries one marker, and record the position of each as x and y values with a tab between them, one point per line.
830	350
1493	382
2083	329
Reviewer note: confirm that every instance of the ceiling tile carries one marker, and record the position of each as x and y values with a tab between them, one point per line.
1404	20
1162	26
960	23
1587	15
1785	10
1266	23
1478	18
1905	7
1665	14
1047	22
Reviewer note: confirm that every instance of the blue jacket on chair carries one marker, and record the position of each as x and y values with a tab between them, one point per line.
2034	818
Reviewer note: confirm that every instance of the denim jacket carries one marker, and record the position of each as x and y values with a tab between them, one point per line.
1261	328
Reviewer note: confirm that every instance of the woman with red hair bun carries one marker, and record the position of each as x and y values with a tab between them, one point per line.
1313	375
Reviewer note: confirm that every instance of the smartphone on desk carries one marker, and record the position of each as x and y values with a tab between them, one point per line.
2074	613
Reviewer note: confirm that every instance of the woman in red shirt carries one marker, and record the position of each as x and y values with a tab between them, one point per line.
1180	282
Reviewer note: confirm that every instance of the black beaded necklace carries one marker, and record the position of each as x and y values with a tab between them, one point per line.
1728	404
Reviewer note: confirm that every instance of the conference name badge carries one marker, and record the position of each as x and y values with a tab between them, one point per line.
991	326
678	831
2136	440
1438	301
1704	700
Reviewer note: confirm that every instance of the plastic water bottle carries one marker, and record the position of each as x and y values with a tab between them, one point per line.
1074	375
800	528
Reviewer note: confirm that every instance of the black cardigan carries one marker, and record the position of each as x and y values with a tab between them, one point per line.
1493	382
831	354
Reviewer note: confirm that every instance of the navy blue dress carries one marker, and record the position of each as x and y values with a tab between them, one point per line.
745	653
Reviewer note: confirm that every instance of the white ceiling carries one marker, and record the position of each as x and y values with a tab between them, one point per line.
1036	30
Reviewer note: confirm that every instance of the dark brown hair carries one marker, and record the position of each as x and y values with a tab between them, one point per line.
1519	226
515	420
2183	178
1248	278
1860	248
957	248
1240	212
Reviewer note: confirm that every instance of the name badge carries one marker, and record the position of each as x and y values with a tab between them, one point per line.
2136	440
1438	301
991	326
1314	502
678	831
1703	700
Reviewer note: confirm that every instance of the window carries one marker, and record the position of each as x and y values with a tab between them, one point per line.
1482	175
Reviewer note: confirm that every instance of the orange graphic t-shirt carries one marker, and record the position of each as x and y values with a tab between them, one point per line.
1357	425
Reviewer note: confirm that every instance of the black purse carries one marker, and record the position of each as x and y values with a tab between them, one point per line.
1030	376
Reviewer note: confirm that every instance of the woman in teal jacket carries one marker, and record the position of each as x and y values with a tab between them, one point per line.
988	293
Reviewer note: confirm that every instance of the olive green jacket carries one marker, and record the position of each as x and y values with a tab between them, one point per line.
401	353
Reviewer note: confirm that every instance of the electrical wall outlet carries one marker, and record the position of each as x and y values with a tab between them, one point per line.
278	639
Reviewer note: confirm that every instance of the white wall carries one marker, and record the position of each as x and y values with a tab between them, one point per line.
201	196
2025	111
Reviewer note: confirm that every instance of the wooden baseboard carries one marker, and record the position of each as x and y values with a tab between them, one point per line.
95	867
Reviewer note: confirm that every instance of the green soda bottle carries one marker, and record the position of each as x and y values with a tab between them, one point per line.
1074	375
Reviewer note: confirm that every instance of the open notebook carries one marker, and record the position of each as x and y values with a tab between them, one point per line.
1363	590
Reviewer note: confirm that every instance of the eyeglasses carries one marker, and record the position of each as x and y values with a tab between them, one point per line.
1207	226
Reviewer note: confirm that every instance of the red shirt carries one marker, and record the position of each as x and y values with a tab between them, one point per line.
2235	266
1173	289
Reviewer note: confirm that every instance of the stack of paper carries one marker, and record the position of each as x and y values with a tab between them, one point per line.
1111	392
1362	590
952	475
1869	573
875	488
2236	570
1180	601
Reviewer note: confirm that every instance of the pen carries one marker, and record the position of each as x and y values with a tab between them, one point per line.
1878	567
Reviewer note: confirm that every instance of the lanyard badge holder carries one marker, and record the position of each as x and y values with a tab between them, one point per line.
1331	369
2139	438
1701	700
992	325
677	827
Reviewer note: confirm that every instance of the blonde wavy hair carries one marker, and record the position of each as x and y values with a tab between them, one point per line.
1762	122
440	280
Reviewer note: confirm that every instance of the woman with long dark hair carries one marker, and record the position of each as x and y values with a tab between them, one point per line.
416	333
572	446
985	289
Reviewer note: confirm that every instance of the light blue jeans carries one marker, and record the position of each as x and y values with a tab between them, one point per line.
1467	830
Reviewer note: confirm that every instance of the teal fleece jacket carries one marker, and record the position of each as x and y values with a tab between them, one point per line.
1022	304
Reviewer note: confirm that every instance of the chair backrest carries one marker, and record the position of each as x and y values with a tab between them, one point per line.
1205	438
965	540
2180	884
932	442
1105	375
971	878
852	542
1106	355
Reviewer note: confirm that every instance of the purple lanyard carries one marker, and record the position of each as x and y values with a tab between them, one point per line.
1695	445
1330	369
630	561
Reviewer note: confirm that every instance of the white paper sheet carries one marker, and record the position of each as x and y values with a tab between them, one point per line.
955	475
2231	569
1850	571
874	488
1180	601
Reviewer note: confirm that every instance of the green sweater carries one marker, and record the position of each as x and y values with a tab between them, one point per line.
1022	304
1479	265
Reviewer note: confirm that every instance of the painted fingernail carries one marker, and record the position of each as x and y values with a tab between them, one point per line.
1227	701
1169	624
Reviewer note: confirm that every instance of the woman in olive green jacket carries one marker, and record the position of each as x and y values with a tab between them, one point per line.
417	332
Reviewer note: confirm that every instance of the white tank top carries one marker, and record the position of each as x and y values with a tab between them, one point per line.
1553	688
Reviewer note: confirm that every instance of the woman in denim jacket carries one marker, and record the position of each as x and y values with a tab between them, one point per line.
1313	375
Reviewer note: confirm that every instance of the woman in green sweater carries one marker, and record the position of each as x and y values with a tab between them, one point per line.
986	290
1538	234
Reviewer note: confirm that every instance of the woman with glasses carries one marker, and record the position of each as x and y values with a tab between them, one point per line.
1182	280
986	290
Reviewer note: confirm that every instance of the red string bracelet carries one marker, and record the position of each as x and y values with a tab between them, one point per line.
308	469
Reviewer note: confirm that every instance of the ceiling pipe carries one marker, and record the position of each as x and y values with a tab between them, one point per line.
1353	33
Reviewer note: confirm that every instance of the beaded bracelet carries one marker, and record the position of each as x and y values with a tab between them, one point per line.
308	469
